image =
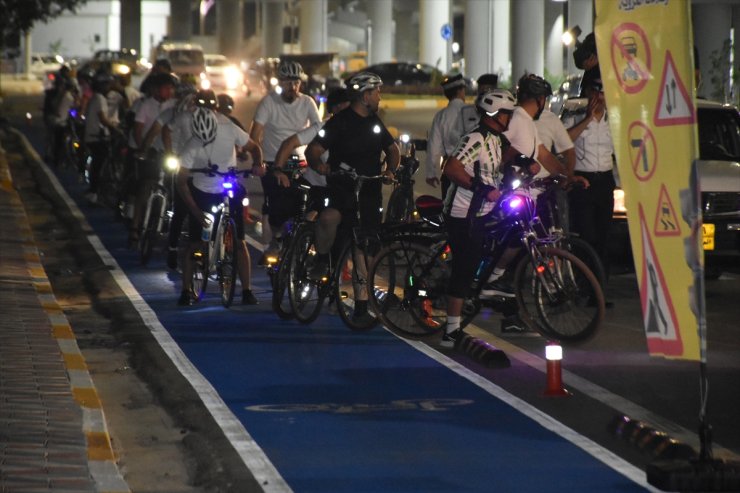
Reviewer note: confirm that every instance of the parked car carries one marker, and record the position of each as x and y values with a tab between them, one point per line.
43	64
223	74
405	73
719	175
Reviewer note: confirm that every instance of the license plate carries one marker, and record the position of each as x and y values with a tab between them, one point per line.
707	234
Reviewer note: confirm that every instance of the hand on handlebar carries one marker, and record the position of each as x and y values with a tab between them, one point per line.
576	181
389	177
282	179
259	169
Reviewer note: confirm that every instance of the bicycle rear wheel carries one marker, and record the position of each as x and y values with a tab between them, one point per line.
350	277
306	295
408	295
560	297
226	261
200	272
151	228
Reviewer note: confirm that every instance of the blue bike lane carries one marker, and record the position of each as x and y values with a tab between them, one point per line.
321	408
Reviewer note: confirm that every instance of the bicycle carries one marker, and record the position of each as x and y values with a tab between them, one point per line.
159	210
346	276
401	202
218	254
557	294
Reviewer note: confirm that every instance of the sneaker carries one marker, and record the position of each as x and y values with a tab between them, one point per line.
172	258
363	319
496	288
451	338
185	299
319	267
248	298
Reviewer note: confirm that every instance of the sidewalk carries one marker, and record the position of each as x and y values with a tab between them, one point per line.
53	435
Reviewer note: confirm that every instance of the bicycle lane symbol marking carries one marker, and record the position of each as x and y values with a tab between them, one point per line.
643	151
629	45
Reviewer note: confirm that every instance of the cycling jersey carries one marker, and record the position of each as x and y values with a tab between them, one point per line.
221	152
480	152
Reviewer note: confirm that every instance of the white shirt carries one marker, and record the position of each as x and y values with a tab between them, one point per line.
470	118
179	124
115	103
444	135
486	150
147	114
552	132
281	120
95	131
594	147
221	152
522	133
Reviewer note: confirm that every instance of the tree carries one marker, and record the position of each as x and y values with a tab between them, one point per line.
19	16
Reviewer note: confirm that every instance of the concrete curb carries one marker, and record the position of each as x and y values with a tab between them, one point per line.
101	457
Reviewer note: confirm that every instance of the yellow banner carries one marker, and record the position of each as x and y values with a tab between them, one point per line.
645	55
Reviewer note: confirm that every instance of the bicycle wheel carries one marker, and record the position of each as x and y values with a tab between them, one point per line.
306	295
585	252
151	228
409	283
400	207
226	262
200	272
560	298
279	277
350	281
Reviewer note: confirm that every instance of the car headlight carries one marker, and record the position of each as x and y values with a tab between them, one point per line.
233	77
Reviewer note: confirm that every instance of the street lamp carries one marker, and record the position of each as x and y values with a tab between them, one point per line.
570	37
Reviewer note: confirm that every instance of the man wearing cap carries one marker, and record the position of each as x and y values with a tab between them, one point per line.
280	114
591	207
447	128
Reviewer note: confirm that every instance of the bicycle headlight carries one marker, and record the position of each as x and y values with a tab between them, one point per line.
245	202
172	163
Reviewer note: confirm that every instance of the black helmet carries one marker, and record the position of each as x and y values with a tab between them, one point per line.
225	102
532	86
453	82
337	96
205	98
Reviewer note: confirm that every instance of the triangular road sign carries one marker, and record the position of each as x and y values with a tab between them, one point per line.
666	222
659	316
675	106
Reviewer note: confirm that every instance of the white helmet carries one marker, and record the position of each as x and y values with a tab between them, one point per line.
364	81
289	70
492	102
204	125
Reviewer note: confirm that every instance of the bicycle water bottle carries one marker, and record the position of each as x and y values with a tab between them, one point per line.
205	235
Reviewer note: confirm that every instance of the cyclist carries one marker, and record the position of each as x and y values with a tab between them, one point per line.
337	100
446	130
98	126
279	115
214	144
356	137
146	171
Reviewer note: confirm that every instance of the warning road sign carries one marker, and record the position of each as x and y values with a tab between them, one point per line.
674	103
643	150
631	58
659	315
666	222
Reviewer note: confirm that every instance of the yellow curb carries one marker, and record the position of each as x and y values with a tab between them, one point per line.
62	332
99	446
74	361
87	397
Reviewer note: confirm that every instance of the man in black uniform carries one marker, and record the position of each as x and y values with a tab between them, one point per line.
355	137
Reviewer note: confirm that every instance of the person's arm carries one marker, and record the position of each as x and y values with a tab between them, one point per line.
257	133
392	157
549	161
313	156
151	134
455	171
576	130
184	190
283	153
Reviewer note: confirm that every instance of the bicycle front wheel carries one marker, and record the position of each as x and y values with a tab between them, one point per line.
409	283
306	294
280	277
559	296
226	261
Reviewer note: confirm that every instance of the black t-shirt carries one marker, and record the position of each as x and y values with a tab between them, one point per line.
355	140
